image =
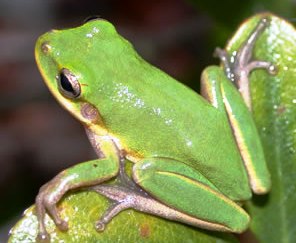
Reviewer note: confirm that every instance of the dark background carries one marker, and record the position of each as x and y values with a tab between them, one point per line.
38	138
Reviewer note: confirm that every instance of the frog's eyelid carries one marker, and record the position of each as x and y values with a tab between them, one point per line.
92	18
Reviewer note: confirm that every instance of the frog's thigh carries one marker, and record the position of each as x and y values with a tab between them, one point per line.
223	95
181	187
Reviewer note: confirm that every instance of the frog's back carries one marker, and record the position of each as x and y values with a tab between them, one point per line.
157	116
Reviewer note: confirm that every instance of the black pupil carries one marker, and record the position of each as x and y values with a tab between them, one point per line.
65	83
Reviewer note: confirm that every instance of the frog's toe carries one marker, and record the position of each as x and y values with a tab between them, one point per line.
114	209
122	198
53	211
270	68
43	237
46	202
61	224
100	225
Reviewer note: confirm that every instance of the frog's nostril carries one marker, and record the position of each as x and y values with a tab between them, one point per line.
45	47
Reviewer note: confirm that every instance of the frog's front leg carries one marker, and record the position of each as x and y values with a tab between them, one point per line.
81	175
239	66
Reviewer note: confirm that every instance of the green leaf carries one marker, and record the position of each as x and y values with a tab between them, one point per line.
82	209
274	108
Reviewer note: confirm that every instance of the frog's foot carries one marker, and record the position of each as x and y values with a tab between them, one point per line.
122	198
46	202
124	194
125	198
240	64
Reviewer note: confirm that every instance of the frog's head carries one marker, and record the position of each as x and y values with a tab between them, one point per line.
75	63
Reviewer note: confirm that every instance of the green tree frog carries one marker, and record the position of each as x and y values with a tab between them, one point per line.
195	157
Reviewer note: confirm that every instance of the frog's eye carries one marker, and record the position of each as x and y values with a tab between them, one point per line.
68	84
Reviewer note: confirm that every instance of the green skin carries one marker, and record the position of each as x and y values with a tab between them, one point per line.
195	158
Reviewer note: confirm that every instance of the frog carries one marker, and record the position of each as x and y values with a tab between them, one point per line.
195	158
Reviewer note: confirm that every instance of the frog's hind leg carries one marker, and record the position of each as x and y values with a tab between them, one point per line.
174	191
186	190
224	96
217	89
